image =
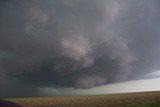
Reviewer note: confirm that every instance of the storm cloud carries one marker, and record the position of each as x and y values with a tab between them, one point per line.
77	43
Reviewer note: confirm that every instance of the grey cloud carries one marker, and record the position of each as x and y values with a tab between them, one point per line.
77	43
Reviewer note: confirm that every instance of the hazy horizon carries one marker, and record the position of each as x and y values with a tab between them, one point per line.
143	85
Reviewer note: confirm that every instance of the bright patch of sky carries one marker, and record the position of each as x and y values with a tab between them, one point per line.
124	87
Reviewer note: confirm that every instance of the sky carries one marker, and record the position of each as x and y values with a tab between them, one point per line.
122	87
72	45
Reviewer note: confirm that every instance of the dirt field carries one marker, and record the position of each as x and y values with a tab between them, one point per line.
145	99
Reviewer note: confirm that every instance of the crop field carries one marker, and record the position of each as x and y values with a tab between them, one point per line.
141	99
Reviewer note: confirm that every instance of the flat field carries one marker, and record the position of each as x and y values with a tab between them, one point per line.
140	99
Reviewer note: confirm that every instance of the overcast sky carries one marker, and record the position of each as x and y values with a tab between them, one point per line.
77	45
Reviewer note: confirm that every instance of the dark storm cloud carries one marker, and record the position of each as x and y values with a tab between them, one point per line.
77	43
141	24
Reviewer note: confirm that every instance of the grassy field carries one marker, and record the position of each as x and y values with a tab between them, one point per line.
143	99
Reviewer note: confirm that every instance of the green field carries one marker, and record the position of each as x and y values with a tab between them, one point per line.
142	99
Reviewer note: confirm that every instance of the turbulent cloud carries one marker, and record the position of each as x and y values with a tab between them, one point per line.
77	48
35	15
77	43
90	81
